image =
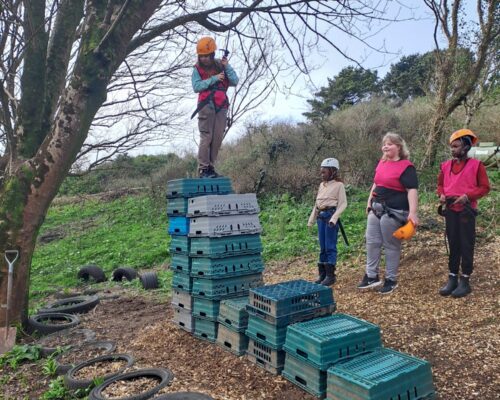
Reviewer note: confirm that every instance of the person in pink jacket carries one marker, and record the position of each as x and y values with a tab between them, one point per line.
461	182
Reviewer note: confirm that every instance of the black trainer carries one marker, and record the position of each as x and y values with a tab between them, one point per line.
389	286
207	173
212	172
369	282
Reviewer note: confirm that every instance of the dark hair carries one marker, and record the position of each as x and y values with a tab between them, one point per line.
466	141
334	174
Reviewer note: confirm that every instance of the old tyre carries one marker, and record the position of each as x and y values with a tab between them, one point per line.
72	305
52	322
184	396
124	272
91	271
164	377
105	347
149	280
73	383
67	337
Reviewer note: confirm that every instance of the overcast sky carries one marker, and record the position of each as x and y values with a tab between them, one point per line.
406	37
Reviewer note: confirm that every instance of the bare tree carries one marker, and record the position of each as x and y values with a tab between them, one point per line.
69	67
487	89
451	21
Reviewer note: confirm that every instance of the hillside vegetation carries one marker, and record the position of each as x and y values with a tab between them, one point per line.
279	162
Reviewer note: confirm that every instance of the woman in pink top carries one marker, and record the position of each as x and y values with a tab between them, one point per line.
393	200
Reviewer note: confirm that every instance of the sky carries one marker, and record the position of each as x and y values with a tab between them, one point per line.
406	37
398	38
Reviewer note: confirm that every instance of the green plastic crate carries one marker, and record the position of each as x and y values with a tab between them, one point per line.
180	245
286	298
177	207
235	342
182	281
305	376
266	357
190	187
180	263
206	308
233	313
205	329
212	268
225	246
266	332
218	289
381	374
297	316
323	341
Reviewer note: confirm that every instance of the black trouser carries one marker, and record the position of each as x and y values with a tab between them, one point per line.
461	233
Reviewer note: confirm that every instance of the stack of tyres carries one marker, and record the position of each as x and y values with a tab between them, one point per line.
233	321
313	346
179	192
225	253
273	308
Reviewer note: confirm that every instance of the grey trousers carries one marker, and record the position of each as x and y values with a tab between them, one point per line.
211	126
379	234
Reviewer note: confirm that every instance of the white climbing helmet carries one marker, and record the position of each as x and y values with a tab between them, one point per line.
330	162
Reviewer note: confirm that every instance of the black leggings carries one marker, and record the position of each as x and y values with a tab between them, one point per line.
461	233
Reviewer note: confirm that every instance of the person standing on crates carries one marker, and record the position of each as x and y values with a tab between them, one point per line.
210	79
461	182
392	203
331	201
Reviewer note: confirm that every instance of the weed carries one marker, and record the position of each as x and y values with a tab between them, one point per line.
19	354
49	368
57	391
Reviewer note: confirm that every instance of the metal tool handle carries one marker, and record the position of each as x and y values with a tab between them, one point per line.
11	257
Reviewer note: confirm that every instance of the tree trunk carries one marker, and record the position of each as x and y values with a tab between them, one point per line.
433	139
17	232
28	187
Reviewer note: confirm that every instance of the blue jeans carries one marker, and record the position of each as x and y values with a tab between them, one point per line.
327	238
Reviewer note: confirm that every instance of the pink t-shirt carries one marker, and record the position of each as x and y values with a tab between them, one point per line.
387	174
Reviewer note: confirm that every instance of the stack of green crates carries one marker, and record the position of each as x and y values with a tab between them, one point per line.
233	321
312	347
381	374
272	308
223	266
179	192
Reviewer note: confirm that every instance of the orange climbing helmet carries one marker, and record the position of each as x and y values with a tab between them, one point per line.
206	45
461	133
406	232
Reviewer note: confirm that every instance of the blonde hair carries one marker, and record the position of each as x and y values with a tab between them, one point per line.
404	153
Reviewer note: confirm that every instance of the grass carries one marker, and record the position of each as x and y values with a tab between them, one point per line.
132	231
128	231
285	233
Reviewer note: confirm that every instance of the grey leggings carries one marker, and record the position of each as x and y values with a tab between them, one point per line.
379	234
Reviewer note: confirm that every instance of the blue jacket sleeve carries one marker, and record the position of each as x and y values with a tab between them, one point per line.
200	85
231	75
